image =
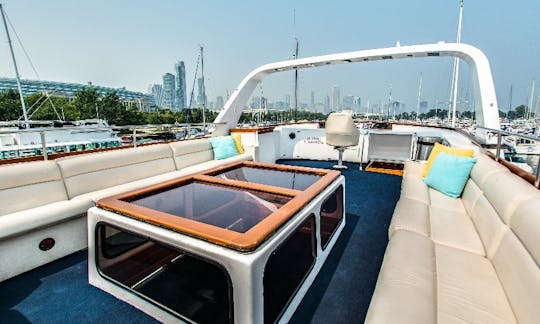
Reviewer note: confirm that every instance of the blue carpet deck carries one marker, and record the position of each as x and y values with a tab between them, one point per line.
59	292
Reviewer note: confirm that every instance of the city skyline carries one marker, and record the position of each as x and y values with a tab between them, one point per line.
132	46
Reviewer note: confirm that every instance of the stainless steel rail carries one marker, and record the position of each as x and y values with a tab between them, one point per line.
500	134
202	130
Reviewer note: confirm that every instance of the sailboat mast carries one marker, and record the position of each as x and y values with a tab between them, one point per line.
16	69
456	67
295	81
531	99
419	96
510	102
203	91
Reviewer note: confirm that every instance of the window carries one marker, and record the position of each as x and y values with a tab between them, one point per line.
331	215
192	288
287	268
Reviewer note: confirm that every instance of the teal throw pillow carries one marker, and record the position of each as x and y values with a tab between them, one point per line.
449	174
223	147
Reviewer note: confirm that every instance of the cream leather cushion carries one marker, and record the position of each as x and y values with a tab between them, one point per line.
406	290
484	168
470	196
454	229
442	201
413	168
517	261
92	172
506	191
192	152
411	215
468	289
29	185
44	216
488	225
138	184
414	188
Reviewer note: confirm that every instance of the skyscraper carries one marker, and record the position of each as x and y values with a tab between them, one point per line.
423	107
327	108
180	90
348	102
167	100
336	99
312	101
287	101
357	104
200	85
219	102
157	90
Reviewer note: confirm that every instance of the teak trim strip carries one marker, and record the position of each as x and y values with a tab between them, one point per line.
247	241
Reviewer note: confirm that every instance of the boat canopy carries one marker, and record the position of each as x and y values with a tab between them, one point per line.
487	111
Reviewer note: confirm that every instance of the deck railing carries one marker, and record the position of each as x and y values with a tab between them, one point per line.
134	135
501	133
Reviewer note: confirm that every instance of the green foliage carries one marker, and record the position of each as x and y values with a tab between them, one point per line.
89	104
10	105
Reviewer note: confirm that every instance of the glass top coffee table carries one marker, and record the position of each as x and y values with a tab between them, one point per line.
280	177
238	206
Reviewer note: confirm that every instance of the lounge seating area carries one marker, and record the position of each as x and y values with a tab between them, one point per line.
473	259
49	199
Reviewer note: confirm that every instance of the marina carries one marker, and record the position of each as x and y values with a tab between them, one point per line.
277	211
146	215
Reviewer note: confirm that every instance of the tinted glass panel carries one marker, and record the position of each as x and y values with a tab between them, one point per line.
331	215
287	268
225	207
289	179
190	287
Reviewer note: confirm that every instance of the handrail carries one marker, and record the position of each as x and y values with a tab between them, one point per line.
114	127
202	131
500	133
534	138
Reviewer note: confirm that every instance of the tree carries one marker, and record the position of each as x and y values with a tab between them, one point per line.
86	102
10	105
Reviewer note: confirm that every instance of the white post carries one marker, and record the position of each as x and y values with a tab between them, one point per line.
419	96
16	69
203	92
456	67
531	99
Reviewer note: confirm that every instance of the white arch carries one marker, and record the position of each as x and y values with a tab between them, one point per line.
487	112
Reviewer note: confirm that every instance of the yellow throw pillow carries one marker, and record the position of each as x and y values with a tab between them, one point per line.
438	149
238	143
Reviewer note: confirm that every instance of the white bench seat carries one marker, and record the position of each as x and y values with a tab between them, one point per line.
469	260
49	199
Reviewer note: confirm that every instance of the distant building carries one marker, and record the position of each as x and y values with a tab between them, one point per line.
219	102
167	101
200	99
327	108
255	102
157	91
287	101
180	90
357	104
423	107
142	101
312	101
396	108
336	99
348	102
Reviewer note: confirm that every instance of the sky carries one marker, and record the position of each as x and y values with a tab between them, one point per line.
132	43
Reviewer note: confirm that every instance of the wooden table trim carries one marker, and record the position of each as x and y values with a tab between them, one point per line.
245	242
